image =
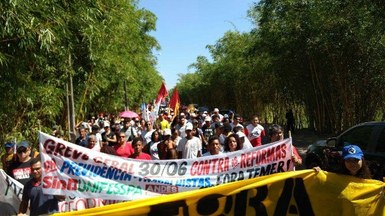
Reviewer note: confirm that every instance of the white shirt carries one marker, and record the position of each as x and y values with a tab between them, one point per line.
190	147
147	137
154	150
254	132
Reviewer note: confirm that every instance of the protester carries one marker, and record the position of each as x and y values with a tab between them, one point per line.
123	148
255	132
162	122
98	137
152	147
108	137
276	134
147	133
21	169
290	121
181	126
133	129
33	196
8	157
126	125
175	136
353	163
244	143
236	122
214	146
208	131
167	148
197	130
82	138
232	143
226	129
190	146
215	120
137	145
216	112
91	142
219	133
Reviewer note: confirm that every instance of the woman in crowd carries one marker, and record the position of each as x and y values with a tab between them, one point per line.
152	147
232	143
123	148
276	134
353	163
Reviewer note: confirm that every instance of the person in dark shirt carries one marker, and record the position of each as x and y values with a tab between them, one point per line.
20	168
82	139
33	194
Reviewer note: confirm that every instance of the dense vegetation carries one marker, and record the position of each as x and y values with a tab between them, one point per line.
99	43
323	59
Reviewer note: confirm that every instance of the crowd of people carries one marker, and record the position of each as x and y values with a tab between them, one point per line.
183	136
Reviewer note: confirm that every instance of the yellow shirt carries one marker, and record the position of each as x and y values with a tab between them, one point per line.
164	124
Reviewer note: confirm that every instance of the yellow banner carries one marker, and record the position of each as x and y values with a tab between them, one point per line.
292	193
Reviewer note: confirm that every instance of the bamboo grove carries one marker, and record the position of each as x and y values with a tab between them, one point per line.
99	43
324	59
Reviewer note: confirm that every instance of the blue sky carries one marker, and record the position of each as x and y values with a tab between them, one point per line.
185	27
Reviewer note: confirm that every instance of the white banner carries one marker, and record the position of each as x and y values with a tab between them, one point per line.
11	191
76	171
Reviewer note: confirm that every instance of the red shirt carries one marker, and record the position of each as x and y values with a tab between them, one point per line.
124	151
142	156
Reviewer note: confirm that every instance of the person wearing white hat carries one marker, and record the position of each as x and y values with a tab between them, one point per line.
216	112
167	148
244	142
189	146
208	130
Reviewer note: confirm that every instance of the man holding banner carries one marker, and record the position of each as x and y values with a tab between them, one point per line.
39	203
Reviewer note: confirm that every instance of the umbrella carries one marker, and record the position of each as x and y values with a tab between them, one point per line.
128	114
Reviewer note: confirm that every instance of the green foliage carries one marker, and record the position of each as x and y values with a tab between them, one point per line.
324	59
100	44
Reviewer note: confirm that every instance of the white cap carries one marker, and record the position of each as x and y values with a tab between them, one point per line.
204	115
167	132
240	134
189	126
216	110
208	118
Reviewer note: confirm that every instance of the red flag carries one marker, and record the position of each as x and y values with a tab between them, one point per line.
175	102
162	94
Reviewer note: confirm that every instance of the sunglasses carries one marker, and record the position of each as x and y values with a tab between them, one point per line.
22	150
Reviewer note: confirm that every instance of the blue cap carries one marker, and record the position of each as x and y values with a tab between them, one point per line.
9	145
352	151
23	144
